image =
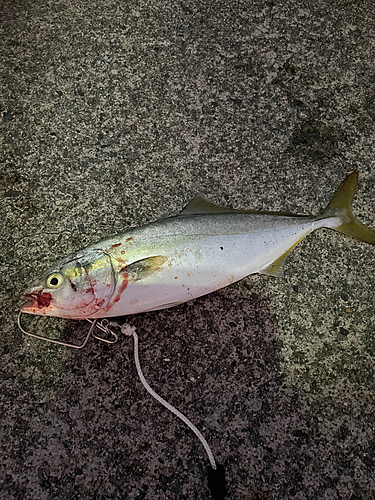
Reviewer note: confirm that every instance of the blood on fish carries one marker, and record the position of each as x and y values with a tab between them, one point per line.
116	245
43	299
40	299
124	284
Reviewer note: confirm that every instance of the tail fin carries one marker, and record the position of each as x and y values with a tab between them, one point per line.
341	206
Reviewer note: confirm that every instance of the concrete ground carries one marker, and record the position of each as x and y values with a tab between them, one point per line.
115	113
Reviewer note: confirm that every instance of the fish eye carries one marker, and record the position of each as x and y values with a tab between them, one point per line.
54	280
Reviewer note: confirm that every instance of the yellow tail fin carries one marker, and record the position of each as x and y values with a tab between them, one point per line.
341	206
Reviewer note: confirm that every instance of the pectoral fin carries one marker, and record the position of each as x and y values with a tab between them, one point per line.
144	268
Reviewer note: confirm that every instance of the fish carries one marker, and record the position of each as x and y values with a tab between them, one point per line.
165	263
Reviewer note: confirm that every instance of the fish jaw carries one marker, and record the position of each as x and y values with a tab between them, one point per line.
38	302
43	304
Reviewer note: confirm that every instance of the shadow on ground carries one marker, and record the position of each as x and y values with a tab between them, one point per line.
94	432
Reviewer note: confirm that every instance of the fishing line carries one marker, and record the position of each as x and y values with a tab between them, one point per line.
216	477
43	232
129	331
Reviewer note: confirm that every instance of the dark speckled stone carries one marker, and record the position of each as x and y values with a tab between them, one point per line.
115	113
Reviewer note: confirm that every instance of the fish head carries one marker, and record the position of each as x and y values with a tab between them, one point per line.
76	287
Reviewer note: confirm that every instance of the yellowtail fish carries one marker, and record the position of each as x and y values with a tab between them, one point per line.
165	263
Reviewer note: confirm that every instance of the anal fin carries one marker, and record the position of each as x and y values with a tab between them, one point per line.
276	266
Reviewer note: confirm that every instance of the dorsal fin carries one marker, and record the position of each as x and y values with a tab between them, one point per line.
202	205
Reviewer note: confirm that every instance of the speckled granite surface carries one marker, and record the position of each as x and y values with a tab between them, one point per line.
116	113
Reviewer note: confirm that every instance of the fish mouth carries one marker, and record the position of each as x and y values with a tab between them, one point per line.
28	300
37	300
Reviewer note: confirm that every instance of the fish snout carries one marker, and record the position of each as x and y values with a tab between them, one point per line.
35	301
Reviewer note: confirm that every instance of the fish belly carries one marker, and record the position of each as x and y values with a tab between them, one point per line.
203	265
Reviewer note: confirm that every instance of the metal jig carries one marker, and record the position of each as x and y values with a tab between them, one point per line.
103	326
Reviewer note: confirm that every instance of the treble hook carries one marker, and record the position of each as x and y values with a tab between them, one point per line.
103	326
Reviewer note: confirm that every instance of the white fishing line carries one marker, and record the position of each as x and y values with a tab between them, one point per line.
130	331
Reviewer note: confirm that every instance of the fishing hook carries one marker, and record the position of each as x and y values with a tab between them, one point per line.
103	326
